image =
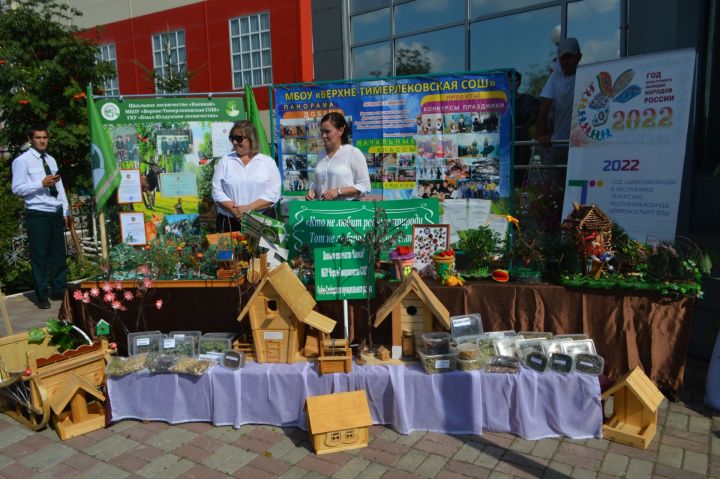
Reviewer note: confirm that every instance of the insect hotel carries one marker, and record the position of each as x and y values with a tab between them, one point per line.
591	230
412	307
338	422
279	310
635	406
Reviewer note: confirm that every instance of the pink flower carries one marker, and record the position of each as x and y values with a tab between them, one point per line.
128	296
118	285
86	298
147	283
94	292
109	297
116	305
144	269
78	295
106	287
159	303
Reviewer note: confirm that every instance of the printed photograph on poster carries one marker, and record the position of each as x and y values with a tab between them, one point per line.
405	160
173	185
312	125
124	139
181	225
429	124
429	146
445	189
374	159
294	146
293	128
132	228
485	189
376	174
426	240
294	162
296	181
430	169
174	142
316	146
485	168
457	168
129	190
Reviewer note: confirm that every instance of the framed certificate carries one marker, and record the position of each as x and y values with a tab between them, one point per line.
129	190
132	228
173	185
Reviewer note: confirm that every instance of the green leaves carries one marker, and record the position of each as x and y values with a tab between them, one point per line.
36	336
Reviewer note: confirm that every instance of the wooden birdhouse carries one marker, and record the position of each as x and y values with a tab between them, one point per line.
412	307
73	415
279	310
338	422
102	328
635	410
591	230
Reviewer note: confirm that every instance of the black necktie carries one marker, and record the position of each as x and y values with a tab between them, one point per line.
53	188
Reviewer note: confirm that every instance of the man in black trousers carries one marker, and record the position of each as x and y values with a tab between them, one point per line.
35	178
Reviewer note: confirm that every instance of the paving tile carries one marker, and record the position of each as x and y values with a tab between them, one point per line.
111	447
169	439
410	439
677	420
147	452
192	452
411	460
523	445
637	453
13	434
197	427
690	436
165	466
639	469
398	474
62	471
435	448
444	475
470	470
557	470
354	467
252	444
614	464
431	466
499	475
699	425
545	448
269	464
579	456
670	456
48	457
267	434
382	457
319	465
81	461
373	471
389	435
466	453
517	470
489	457
229	459
16	470
284	446
293	473
206	442
695	462
5	461
580	473
389	446
248	471
673	472
495	439
699	447
294	455
106	471
198	471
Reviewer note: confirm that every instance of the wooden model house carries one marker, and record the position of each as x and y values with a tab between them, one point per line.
279	310
591	230
412	307
338	422
635	406
335	356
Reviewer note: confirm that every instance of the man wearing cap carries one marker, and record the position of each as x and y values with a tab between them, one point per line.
557	95
35	178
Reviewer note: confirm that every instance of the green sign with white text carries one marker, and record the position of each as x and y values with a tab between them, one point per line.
343	273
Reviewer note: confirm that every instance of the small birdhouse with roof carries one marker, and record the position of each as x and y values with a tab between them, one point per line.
635	410
338	422
412	307
591	230
102	328
280	310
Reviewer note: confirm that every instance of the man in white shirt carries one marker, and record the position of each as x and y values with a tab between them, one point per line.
35	178
558	96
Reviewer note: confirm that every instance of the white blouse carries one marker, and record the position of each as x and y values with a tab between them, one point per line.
243	184
347	167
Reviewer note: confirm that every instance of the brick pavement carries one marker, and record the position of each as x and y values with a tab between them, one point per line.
687	445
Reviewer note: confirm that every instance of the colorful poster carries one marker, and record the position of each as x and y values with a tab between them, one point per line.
627	140
432	136
172	142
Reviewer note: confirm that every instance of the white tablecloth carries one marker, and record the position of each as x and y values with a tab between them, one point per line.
529	404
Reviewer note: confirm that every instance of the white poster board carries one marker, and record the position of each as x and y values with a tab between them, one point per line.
627	140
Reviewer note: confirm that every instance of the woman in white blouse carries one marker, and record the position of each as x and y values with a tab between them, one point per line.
342	173
244	180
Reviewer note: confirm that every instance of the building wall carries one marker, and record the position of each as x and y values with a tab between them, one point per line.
207	39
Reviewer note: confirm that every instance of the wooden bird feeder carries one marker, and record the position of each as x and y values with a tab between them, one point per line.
338	422
635	410
590	229
412	307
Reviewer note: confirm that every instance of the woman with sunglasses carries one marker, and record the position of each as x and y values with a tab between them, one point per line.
244	180
342	174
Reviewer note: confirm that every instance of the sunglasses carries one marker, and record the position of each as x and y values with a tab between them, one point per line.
237	138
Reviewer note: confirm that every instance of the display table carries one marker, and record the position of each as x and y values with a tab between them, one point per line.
630	328
528	404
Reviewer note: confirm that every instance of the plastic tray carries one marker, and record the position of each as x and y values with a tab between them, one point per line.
575	347
181	334
468	351
145	342
589	363
524	346
507	346
213	344
183	346
470	364
536	360
554	346
535	334
486	346
561	363
436	343
225	335
466	325
438	363
574	337
233	359
503	364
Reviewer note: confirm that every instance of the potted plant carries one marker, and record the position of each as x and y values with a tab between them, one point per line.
480	246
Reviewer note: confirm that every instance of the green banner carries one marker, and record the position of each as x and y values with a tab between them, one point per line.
343	273
317	224
165	110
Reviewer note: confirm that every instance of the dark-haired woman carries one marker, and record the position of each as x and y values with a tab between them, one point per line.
244	180
342	173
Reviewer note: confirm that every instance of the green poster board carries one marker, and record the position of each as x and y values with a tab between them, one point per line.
317	224
342	273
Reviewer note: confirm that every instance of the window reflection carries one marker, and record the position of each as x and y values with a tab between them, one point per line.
439	51
596	25
530	51
371	60
421	14
370	26
486	7
358	5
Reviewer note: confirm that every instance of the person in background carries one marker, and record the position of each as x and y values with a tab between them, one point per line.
557	95
342	173
35	178
244	180
526	112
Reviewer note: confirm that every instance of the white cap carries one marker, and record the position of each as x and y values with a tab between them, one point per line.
568	46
